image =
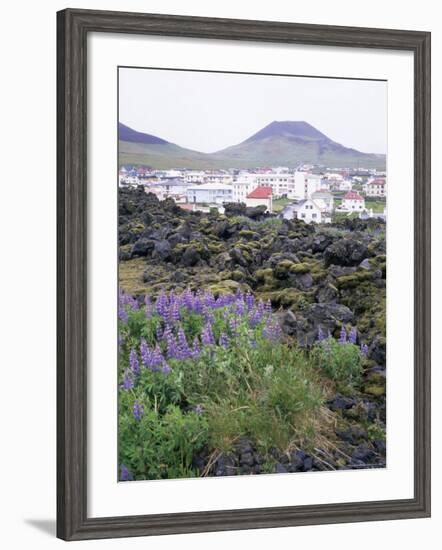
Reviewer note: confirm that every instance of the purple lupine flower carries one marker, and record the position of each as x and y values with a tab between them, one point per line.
320	335
128	383
165	369
144	352
138	410
207	337
135	305
364	350
240	307
185	351
272	331
239	296
133	362
188	299
209	317
253	342
198	409
159	333
161	305
223	340
171	344
343	335
209	299
156	359
255	318
125	475
250	301
174	312
121	297
123	315
233	326
353	336
197	304
196	350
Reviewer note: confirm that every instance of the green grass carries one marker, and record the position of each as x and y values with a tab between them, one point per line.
279	204
377	205
259	386
269	152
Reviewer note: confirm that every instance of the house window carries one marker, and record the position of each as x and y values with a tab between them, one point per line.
314	215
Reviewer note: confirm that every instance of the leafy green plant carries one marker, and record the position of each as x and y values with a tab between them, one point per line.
340	361
197	373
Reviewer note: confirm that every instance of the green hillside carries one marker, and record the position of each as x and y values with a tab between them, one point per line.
279	143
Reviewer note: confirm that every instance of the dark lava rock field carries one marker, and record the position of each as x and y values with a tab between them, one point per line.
315	276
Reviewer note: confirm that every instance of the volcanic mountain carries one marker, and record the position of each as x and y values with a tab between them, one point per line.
280	143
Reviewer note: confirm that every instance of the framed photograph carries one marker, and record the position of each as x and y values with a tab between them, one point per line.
243	274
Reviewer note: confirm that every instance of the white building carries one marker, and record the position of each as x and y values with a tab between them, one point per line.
334	177
307	210
172	174
174	188
345	185
325	184
261	196
209	193
376	187
218	177
127	180
194	176
352	202
325	197
242	186
305	184
281	183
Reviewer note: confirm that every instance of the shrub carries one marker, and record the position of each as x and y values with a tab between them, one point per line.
340	361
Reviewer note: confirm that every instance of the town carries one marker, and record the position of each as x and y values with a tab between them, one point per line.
310	193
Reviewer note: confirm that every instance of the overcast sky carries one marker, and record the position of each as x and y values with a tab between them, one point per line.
210	111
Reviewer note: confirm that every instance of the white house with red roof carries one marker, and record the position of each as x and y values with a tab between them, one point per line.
376	187
352	202
261	196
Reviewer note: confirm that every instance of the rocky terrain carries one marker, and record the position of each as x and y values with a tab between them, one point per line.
318	278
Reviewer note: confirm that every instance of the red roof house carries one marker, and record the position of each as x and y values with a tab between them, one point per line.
261	196
353	196
260	193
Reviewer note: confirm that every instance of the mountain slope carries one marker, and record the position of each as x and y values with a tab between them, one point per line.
286	143
290	143
288	128
137	148
128	134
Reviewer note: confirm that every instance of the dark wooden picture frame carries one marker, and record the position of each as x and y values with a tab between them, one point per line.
73	27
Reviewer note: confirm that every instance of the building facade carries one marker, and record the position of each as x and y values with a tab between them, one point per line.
352	202
209	193
376	187
308	211
261	196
